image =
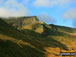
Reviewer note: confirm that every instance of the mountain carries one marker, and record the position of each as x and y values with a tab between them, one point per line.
29	37
21	22
31	23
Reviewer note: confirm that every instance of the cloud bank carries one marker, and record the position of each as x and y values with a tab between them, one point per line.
10	8
70	14
51	3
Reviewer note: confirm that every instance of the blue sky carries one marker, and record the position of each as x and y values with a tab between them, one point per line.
59	12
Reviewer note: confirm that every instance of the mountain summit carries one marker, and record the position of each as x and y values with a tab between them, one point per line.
21	22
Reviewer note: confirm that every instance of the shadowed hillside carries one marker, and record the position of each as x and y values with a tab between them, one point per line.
36	39
14	43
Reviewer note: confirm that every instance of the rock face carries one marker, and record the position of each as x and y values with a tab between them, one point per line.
32	23
22	23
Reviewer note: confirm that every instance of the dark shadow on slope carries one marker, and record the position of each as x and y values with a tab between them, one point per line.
11	49
63	28
36	39
41	41
54	31
9	30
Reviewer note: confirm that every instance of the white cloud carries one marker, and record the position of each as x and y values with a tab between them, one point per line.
3	12
70	14
40	3
45	17
13	8
51	3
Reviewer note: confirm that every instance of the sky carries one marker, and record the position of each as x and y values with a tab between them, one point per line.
58	12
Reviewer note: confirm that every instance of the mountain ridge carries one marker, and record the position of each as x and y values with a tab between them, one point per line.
42	41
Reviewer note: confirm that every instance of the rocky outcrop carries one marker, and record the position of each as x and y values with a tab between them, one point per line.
21	22
31	23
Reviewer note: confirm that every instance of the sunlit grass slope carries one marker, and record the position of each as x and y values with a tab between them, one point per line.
15	43
41	40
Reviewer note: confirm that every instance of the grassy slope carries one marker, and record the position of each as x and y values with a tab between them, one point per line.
67	36
59	35
56	38
14	43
